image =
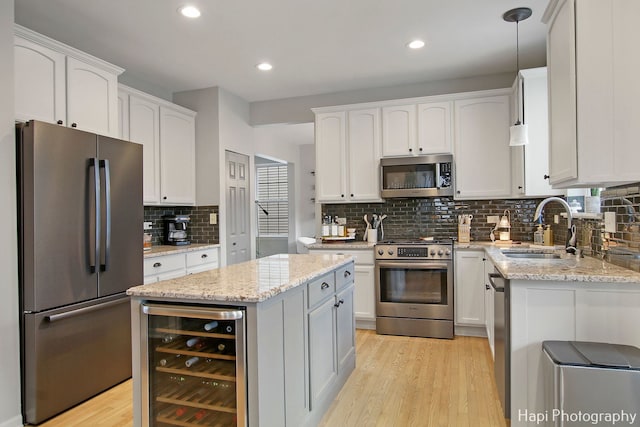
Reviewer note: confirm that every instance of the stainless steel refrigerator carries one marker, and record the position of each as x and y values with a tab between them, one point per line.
80	247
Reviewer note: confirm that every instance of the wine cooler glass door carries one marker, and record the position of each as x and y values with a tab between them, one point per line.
196	366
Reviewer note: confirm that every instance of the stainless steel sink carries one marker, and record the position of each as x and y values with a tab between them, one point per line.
530	255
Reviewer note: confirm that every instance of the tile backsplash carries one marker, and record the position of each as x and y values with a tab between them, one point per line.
438	217
412	218
199	229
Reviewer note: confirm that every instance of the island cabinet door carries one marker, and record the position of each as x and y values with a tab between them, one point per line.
322	351
345	326
194	366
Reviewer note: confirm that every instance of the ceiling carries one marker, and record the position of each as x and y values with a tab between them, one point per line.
315	47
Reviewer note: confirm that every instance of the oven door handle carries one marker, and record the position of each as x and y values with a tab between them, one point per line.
428	265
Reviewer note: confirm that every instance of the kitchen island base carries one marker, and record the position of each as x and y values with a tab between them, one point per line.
299	352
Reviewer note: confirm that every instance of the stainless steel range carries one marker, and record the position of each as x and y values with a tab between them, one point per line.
414	288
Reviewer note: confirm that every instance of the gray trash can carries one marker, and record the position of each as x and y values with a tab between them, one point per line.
591	383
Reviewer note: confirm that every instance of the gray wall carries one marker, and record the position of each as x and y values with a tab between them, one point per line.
10	353
298	110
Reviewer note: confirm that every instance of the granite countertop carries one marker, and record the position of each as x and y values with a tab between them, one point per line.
567	268
161	250
251	281
355	244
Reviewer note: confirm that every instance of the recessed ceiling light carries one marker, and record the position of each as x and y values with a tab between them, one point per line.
416	44
264	66
190	11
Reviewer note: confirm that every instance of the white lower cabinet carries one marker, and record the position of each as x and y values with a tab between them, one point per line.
165	267
489	313
322	349
469	288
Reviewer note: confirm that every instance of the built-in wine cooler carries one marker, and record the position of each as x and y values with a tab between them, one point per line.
195	366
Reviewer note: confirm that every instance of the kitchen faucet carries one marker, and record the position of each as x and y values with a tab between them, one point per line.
571	232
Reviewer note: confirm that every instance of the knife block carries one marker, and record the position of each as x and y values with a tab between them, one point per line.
464	233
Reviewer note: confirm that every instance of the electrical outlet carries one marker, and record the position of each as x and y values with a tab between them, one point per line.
493	219
610	222
146	225
556	219
213	218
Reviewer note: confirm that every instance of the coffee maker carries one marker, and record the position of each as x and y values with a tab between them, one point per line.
175	230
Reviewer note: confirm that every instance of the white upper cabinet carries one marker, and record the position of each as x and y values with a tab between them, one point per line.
363	153
92	98
399	131
483	156
593	92
348	155
177	159
59	84
167	133
531	162
39	82
434	128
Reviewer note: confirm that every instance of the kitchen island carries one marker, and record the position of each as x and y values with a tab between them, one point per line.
566	298
299	337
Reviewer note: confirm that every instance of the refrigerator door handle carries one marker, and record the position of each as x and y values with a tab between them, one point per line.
85	310
106	254
94	215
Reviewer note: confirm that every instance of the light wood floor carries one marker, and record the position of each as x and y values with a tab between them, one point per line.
398	381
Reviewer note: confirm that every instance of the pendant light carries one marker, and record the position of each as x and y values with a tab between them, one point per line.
518	133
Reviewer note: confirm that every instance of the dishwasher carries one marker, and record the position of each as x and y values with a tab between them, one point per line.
502	339
587	381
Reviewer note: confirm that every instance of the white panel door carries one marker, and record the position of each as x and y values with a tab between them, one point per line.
92	98
469	288
322	351
39	83
237	200
364	294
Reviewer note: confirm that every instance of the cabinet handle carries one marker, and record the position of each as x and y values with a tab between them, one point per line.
546	176
157	264
164	198
347	273
519	187
410	150
484	259
486	287
458	192
60	122
342	195
351	194
324	285
337	304
203	256
420	148
74	125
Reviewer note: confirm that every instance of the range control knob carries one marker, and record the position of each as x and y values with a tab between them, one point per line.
433	252
440	252
447	252
380	252
390	251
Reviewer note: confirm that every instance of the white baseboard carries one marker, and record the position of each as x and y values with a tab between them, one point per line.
470	331
12	422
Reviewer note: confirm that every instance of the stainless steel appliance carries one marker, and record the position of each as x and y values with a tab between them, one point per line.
175	230
589	378
79	211
417	176
414	288
194	369
502	339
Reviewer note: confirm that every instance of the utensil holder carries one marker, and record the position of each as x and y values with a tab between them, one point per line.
372	235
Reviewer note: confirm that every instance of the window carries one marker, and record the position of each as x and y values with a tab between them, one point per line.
273	197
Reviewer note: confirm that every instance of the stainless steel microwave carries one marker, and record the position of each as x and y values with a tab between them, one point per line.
417	176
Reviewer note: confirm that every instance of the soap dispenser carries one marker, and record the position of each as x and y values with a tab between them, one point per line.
538	235
548	236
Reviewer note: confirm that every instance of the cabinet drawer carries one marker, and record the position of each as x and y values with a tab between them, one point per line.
321	288
163	264
205	256
344	276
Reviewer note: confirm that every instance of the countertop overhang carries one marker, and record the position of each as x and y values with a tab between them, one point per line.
567	268
251	281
